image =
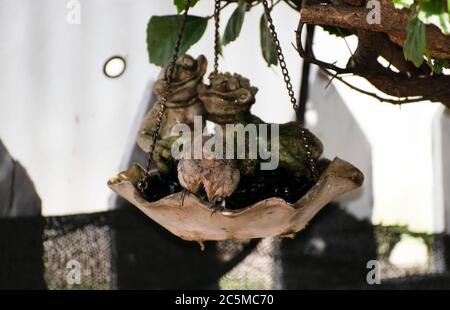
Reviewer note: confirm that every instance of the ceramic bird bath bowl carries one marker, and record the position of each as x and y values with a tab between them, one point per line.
195	221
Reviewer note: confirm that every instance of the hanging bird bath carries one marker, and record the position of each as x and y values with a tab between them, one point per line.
271	217
183	195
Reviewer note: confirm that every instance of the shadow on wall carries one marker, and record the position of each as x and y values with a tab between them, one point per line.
331	120
17	192
21	227
323	256
441	154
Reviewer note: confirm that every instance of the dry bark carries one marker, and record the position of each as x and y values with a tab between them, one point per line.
393	23
386	40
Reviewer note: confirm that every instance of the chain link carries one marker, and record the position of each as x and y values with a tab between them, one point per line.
217	46
287	80
143	183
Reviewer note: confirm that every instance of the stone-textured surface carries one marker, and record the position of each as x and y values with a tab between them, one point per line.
182	103
270	217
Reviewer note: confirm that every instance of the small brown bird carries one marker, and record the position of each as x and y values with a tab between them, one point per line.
190	176
219	177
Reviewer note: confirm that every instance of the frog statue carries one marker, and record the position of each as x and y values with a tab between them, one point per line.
228	99
182	103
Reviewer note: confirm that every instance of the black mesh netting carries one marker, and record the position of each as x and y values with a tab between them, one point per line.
123	249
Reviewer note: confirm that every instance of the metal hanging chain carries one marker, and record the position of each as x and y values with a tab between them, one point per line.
216	36
287	80
143	183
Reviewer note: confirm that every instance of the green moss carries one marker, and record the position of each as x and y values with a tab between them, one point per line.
162	156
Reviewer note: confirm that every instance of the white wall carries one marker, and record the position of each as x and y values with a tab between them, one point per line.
441	165
343	137
60	117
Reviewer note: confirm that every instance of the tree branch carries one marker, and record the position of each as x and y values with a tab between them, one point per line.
364	63
393	23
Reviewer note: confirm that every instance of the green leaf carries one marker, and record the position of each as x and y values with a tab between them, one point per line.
434	12
234	25
337	31
162	32
415	41
439	65
267	46
403	4
181	4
